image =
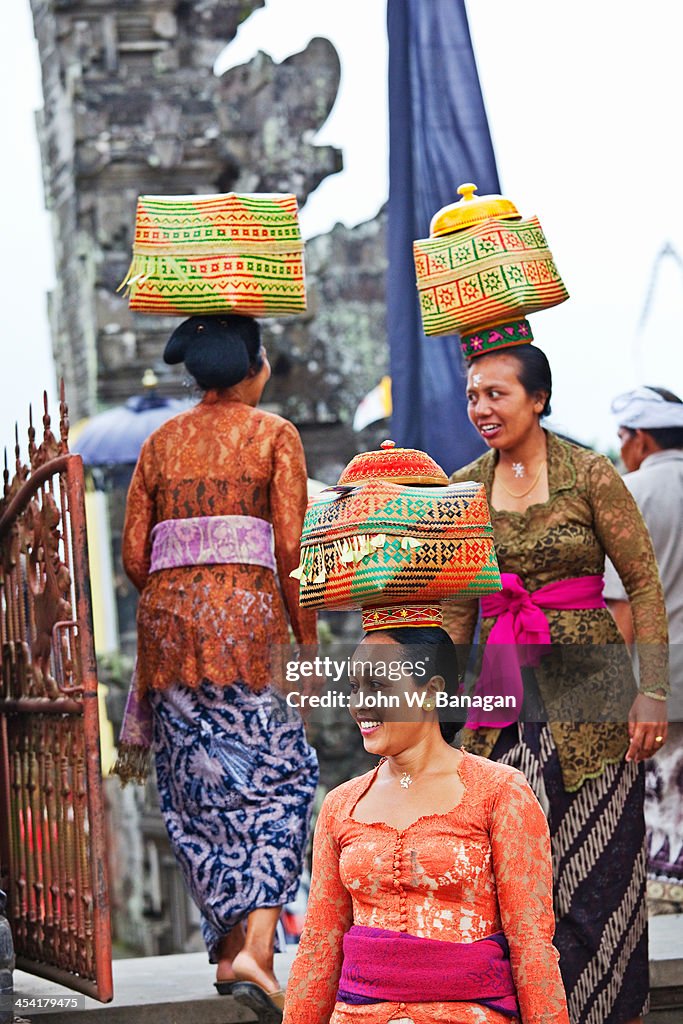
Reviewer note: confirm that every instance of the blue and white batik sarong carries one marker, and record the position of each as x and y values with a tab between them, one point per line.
236	779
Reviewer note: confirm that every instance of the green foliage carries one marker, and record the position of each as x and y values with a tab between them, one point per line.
115	669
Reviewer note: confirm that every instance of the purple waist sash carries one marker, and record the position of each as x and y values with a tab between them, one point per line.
212	540
383	966
204	540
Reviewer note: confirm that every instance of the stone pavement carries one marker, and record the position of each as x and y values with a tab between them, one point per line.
179	989
156	989
666	969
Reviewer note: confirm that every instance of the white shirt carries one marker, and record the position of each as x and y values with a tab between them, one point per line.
657	487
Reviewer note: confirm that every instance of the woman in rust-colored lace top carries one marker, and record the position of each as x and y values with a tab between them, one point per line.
217	622
215	508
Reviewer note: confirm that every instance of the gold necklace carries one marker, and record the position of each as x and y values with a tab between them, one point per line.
529	489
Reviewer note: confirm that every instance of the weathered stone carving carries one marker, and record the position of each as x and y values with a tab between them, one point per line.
131	105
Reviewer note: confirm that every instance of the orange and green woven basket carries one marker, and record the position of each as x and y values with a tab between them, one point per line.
382	543
216	254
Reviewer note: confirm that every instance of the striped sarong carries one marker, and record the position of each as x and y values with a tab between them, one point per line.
599	869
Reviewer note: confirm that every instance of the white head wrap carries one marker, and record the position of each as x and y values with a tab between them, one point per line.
644	409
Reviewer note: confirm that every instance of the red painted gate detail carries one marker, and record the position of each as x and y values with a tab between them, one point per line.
52	829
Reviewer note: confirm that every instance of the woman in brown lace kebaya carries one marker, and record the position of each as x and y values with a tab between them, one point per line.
557	510
215	507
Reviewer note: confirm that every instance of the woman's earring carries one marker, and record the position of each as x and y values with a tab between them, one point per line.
429	705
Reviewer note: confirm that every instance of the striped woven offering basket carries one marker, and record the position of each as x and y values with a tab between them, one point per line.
381	543
217	254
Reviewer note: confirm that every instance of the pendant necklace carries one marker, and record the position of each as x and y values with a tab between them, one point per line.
518	470
523	494
406	779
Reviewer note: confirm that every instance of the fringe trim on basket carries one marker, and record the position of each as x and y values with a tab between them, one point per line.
133	764
143	267
351	550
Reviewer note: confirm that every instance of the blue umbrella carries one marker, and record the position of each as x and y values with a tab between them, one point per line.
115	437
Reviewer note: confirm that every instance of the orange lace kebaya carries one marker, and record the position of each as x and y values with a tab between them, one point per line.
480	868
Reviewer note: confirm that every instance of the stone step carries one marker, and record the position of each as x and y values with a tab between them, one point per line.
174	989
666	969
179	989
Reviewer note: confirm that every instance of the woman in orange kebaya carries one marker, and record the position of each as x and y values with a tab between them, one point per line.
431	896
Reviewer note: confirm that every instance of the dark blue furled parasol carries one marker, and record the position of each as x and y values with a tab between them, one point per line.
115	437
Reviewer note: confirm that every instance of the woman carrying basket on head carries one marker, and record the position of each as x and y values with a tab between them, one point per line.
214	510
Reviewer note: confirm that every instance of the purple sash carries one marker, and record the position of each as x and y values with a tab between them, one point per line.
383	966
212	540
203	540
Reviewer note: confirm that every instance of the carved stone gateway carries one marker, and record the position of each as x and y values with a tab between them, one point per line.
131	105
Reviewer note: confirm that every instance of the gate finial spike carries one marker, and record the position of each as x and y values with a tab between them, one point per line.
47	433
31	435
63	418
5	475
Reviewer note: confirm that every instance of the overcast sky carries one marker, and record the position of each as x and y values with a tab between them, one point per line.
583	101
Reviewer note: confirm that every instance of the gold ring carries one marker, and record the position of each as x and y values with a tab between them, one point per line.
659	739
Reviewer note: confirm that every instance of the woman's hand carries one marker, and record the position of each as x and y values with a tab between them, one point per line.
647	727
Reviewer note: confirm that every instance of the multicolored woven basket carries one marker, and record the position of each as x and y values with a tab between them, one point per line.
487	274
216	254
381	543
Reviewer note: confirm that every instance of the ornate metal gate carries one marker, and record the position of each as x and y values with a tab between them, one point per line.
52	838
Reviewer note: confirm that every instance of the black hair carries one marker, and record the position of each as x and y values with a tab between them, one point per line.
218	351
440	653
666	437
534	371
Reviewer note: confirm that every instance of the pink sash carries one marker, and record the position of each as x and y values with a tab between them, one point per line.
382	966
519	635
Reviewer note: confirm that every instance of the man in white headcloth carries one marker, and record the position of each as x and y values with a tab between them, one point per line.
650	422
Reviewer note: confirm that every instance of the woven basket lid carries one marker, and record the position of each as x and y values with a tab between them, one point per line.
397	465
471	210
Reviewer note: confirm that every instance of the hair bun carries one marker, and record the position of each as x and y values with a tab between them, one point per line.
176	346
217	350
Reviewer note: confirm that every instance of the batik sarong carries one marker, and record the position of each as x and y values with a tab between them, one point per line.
597	836
236	780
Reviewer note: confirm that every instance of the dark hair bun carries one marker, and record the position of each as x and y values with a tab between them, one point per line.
218	351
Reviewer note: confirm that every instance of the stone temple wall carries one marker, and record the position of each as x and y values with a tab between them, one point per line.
131	105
